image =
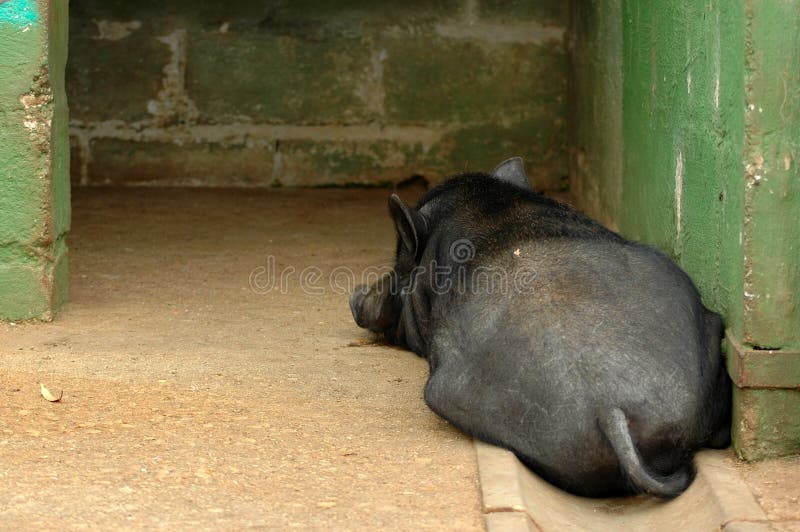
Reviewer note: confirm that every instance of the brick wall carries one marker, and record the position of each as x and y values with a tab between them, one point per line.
295	93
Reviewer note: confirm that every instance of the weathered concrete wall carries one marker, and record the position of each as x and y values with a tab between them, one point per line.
34	158
271	93
709	139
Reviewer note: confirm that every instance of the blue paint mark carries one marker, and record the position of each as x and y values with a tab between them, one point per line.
21	13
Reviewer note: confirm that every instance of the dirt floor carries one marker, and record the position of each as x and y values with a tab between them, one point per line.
193	400
195	396
776	486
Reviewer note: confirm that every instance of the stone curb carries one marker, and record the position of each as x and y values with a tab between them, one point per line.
516	500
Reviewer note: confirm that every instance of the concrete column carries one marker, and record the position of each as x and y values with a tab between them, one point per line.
34	158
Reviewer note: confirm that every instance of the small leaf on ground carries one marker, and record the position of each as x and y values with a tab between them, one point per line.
49	396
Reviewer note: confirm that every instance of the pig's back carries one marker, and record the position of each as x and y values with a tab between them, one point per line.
588	326
623	314
578	322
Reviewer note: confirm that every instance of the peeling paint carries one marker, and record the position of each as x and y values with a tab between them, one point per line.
689	65
38	111
37	115
771	216
20	13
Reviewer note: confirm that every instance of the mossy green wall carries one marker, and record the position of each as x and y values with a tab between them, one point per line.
34	158
274	93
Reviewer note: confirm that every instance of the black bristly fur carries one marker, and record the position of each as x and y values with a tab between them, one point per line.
603	374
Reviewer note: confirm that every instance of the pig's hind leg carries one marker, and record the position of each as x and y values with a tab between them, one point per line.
449	395
718	403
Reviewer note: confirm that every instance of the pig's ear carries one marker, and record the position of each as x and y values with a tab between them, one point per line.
410	223
513	171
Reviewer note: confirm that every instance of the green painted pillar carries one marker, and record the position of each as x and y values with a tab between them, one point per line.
711	107
34	158
764	342
709	148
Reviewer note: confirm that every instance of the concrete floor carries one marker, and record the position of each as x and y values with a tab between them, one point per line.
193	400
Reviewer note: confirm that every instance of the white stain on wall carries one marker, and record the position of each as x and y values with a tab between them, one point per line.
115	30
678	192
173	103
371	90
717	52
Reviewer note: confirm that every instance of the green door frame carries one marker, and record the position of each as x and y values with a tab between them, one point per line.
34	158
764	339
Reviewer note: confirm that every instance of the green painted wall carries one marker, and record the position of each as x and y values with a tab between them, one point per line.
708	98
659	130
34	159
595	40
256	93
683	96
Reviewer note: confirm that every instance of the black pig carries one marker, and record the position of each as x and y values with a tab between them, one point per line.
589	356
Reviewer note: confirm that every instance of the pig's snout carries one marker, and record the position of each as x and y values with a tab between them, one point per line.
356	305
